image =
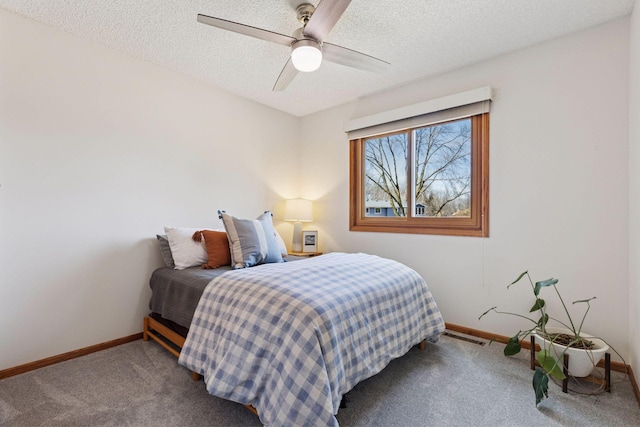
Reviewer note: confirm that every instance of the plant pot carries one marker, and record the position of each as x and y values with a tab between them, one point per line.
581	362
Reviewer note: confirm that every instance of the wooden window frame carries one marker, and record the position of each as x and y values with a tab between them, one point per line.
477	225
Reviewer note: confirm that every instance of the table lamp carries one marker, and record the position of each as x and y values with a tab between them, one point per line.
298	210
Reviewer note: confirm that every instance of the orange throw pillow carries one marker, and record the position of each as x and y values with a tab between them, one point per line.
217	245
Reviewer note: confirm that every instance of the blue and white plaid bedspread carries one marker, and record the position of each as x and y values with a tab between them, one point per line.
292	338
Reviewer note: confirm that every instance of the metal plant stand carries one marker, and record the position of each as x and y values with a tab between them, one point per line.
565	362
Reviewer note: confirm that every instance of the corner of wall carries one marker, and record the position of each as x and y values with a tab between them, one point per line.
634	190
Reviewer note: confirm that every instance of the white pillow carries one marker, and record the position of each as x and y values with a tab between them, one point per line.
185	251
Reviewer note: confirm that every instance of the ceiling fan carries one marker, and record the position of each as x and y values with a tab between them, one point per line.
308	47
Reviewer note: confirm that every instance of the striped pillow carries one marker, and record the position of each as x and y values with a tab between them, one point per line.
251	242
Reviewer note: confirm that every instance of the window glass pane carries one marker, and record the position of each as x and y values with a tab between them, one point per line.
443	170
385	181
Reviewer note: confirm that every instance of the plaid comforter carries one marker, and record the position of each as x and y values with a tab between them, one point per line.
292	338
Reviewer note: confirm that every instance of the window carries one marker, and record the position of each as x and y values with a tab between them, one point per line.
430	179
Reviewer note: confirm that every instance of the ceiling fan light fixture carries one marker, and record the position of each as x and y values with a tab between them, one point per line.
306	55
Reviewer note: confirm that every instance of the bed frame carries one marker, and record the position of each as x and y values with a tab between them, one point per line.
161	334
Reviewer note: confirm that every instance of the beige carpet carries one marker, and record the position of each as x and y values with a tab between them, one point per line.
451	383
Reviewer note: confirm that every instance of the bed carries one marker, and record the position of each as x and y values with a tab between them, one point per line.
290	339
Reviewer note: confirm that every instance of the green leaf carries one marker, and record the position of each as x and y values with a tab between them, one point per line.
513	346
542	284
550	365
518	279
540	385
543	321
537	306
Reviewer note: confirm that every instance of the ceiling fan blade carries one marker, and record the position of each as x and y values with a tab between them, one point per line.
247	30
351	58
286	76
324	18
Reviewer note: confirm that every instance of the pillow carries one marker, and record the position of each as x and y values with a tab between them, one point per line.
281	244
185	251
274	251
217	245
165	250
249	243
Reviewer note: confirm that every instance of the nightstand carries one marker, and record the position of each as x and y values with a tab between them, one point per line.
305	254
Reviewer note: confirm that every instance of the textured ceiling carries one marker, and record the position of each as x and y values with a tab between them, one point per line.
419	38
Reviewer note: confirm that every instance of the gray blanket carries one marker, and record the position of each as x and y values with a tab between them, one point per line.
175	293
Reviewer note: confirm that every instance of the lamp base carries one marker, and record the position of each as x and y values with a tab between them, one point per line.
296	244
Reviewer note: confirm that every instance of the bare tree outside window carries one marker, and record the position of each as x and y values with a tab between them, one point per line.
441	175
386	172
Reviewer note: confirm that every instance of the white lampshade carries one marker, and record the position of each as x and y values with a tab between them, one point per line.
306	55
298	210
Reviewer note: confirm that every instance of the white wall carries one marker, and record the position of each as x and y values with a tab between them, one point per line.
634	190
98	152
558	183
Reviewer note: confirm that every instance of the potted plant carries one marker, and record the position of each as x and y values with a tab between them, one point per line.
584	350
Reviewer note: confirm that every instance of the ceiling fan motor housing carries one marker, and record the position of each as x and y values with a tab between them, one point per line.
304	12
